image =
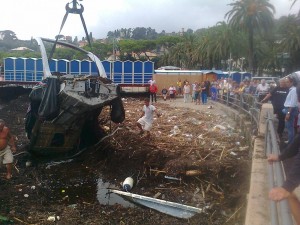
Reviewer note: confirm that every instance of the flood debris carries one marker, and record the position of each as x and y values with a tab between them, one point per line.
209	173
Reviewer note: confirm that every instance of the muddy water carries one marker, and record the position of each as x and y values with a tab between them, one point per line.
105	197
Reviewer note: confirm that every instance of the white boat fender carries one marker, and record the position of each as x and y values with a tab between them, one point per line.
128	184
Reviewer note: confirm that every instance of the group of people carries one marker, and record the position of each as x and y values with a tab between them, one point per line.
196	92
223	88
285	99
228	88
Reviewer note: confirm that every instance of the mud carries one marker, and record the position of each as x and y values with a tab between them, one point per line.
72	191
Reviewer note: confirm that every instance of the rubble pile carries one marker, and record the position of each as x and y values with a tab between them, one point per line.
200	149
183	142
194	157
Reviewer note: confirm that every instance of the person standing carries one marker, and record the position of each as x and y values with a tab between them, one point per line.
153	91
172	91
193	90
214	92
179	87
291	108
262	89
186	92
164	93
204	93
145	121
7	147
278	96
197	94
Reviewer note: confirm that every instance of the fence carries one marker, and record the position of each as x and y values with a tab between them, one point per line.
249	105
244	103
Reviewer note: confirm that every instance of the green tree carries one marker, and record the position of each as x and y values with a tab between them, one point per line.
137	47
139	33
8	35
251	16
289	34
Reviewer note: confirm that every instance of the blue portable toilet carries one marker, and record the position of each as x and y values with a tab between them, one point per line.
63	66
128	72
107	67
20	69
75	67
236	76
30	69
85	66
139	72
118	72
246	75
148	71
53	65
9	68
94	69
39	70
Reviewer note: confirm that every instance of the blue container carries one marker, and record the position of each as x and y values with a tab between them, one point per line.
53	65
20	69
85	66
128	72
75	67
63	66
118	72
9	69
39	70
30	70
107	67
139	72
94	69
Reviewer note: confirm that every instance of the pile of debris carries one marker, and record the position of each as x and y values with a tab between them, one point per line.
183	142
200	150
194	158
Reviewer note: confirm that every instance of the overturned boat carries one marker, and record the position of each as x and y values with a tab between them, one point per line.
64	108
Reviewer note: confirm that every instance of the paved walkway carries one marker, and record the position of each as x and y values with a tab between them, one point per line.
216	108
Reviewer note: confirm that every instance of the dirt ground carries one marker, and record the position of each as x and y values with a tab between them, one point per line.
202	149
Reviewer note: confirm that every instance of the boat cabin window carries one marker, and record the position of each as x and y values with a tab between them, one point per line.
58	140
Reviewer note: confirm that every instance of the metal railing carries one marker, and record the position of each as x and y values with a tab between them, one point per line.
248	104
279	212
243	103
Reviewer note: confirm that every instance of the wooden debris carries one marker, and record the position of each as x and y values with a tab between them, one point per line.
193	172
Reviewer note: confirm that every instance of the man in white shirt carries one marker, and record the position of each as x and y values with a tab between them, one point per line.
291	109
186	92
146	119
262	89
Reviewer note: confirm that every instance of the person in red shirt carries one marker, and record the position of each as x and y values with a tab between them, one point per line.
153	91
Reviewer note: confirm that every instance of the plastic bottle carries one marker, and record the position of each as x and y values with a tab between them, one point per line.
128	184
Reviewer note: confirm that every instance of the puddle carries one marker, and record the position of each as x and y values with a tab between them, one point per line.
106	198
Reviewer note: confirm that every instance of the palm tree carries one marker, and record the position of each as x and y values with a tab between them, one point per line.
251	16
289	32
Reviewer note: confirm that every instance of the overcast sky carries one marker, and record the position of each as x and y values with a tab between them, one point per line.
42	18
